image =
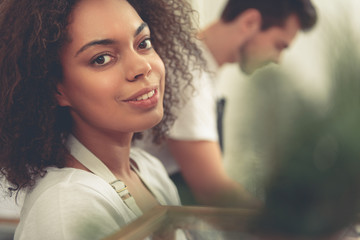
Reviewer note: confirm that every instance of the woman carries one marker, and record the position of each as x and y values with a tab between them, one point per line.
77	80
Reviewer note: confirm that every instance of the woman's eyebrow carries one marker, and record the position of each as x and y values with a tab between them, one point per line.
96	42
140	28
109	41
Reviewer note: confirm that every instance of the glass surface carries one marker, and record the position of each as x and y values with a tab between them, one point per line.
205	223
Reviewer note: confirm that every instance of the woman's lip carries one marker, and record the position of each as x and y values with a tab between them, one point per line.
140	93
148	103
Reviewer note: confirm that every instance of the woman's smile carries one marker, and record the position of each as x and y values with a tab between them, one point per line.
145	100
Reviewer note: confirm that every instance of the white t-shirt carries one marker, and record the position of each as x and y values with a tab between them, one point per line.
196	119
70	203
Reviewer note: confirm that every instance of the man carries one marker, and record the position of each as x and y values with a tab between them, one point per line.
252	33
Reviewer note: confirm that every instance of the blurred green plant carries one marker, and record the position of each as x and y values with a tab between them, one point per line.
314	186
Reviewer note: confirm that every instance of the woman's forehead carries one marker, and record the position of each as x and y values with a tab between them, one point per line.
93	20
92	14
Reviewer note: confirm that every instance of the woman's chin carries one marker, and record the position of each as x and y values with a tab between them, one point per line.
150	123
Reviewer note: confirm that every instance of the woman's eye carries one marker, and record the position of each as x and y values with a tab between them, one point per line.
101	60
146	44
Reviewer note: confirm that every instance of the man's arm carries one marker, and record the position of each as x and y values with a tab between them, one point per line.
203	169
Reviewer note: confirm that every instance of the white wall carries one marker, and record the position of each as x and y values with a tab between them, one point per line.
209	10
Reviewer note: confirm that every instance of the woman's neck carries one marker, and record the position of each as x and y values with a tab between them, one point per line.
113	151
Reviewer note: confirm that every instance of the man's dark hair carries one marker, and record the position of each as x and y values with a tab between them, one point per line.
274	12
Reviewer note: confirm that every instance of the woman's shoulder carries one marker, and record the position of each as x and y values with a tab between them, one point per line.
67	200
67	178
68	185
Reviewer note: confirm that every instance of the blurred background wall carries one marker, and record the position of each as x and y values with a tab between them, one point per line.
305	61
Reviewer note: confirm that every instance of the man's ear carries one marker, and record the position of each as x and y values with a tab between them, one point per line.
61	97
249	22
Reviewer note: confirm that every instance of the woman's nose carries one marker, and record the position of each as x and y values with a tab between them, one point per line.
138	67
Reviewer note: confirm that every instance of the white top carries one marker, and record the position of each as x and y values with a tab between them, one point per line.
196	120
70	203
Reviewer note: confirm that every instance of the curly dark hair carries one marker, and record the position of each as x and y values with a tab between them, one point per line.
33	128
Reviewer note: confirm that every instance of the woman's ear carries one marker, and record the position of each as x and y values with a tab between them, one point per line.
61	97
249	22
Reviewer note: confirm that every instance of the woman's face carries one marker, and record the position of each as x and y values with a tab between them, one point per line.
113	78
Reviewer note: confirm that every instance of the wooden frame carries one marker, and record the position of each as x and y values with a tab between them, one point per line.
185	217
10	221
